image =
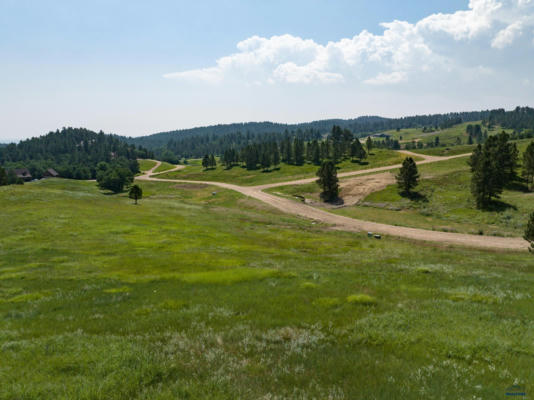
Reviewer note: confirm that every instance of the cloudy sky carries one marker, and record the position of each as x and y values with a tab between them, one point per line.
138	67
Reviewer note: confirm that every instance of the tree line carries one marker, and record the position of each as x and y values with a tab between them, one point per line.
195	143
494	165
519	119
341	144
73	152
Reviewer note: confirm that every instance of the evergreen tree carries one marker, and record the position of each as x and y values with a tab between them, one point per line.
528	165
369	144
251	157
529	232
316	153
265	160
506	156
488	175
213	162
115	179
135	193
206	161
328	181
276	155
408	176
298	147
3	177
357	150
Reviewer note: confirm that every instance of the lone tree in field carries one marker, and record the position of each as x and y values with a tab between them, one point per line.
328	181
529	232
408	177
135	193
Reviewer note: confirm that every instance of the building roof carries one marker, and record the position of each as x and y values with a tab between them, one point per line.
23	173
51	172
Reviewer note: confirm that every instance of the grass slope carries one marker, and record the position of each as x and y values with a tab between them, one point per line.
190	295
447	203
241	176
145	165
448	139
164	166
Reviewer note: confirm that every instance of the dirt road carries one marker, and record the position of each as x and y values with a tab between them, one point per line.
355	225
146	174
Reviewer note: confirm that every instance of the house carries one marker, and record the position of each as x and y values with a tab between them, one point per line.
23	173
50	173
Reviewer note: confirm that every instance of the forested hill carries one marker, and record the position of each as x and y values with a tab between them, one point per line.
73	152
520	118
214	139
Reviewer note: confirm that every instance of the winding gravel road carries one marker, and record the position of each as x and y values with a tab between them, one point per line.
340	222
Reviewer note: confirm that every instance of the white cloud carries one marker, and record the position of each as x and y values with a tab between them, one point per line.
506	36
464	24
384	79
404	51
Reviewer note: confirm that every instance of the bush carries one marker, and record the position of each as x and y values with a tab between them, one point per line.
363	299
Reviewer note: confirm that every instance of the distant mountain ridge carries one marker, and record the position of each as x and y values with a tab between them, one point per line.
363	124
196	142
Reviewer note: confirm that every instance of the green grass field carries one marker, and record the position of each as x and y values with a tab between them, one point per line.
194	296
165	166
448	138
241	176
145	165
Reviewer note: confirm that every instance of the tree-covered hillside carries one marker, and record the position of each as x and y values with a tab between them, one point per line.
73	152
518	119
215	139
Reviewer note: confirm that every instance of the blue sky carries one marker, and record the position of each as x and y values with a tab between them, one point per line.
137	67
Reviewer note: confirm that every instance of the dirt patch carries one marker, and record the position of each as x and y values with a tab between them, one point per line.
356	189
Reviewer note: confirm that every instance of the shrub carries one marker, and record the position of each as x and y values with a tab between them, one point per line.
363	299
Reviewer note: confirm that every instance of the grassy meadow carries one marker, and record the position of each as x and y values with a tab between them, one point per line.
145	165
164	166
241	176
191	295
448	139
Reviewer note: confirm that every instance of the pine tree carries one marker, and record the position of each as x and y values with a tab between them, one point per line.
251	157
529	232
206	161
212	162
265	160
357	150
276	155
528	165
328	181
316	153
135	193
298	147
369	144
488	173
3	177
408	176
